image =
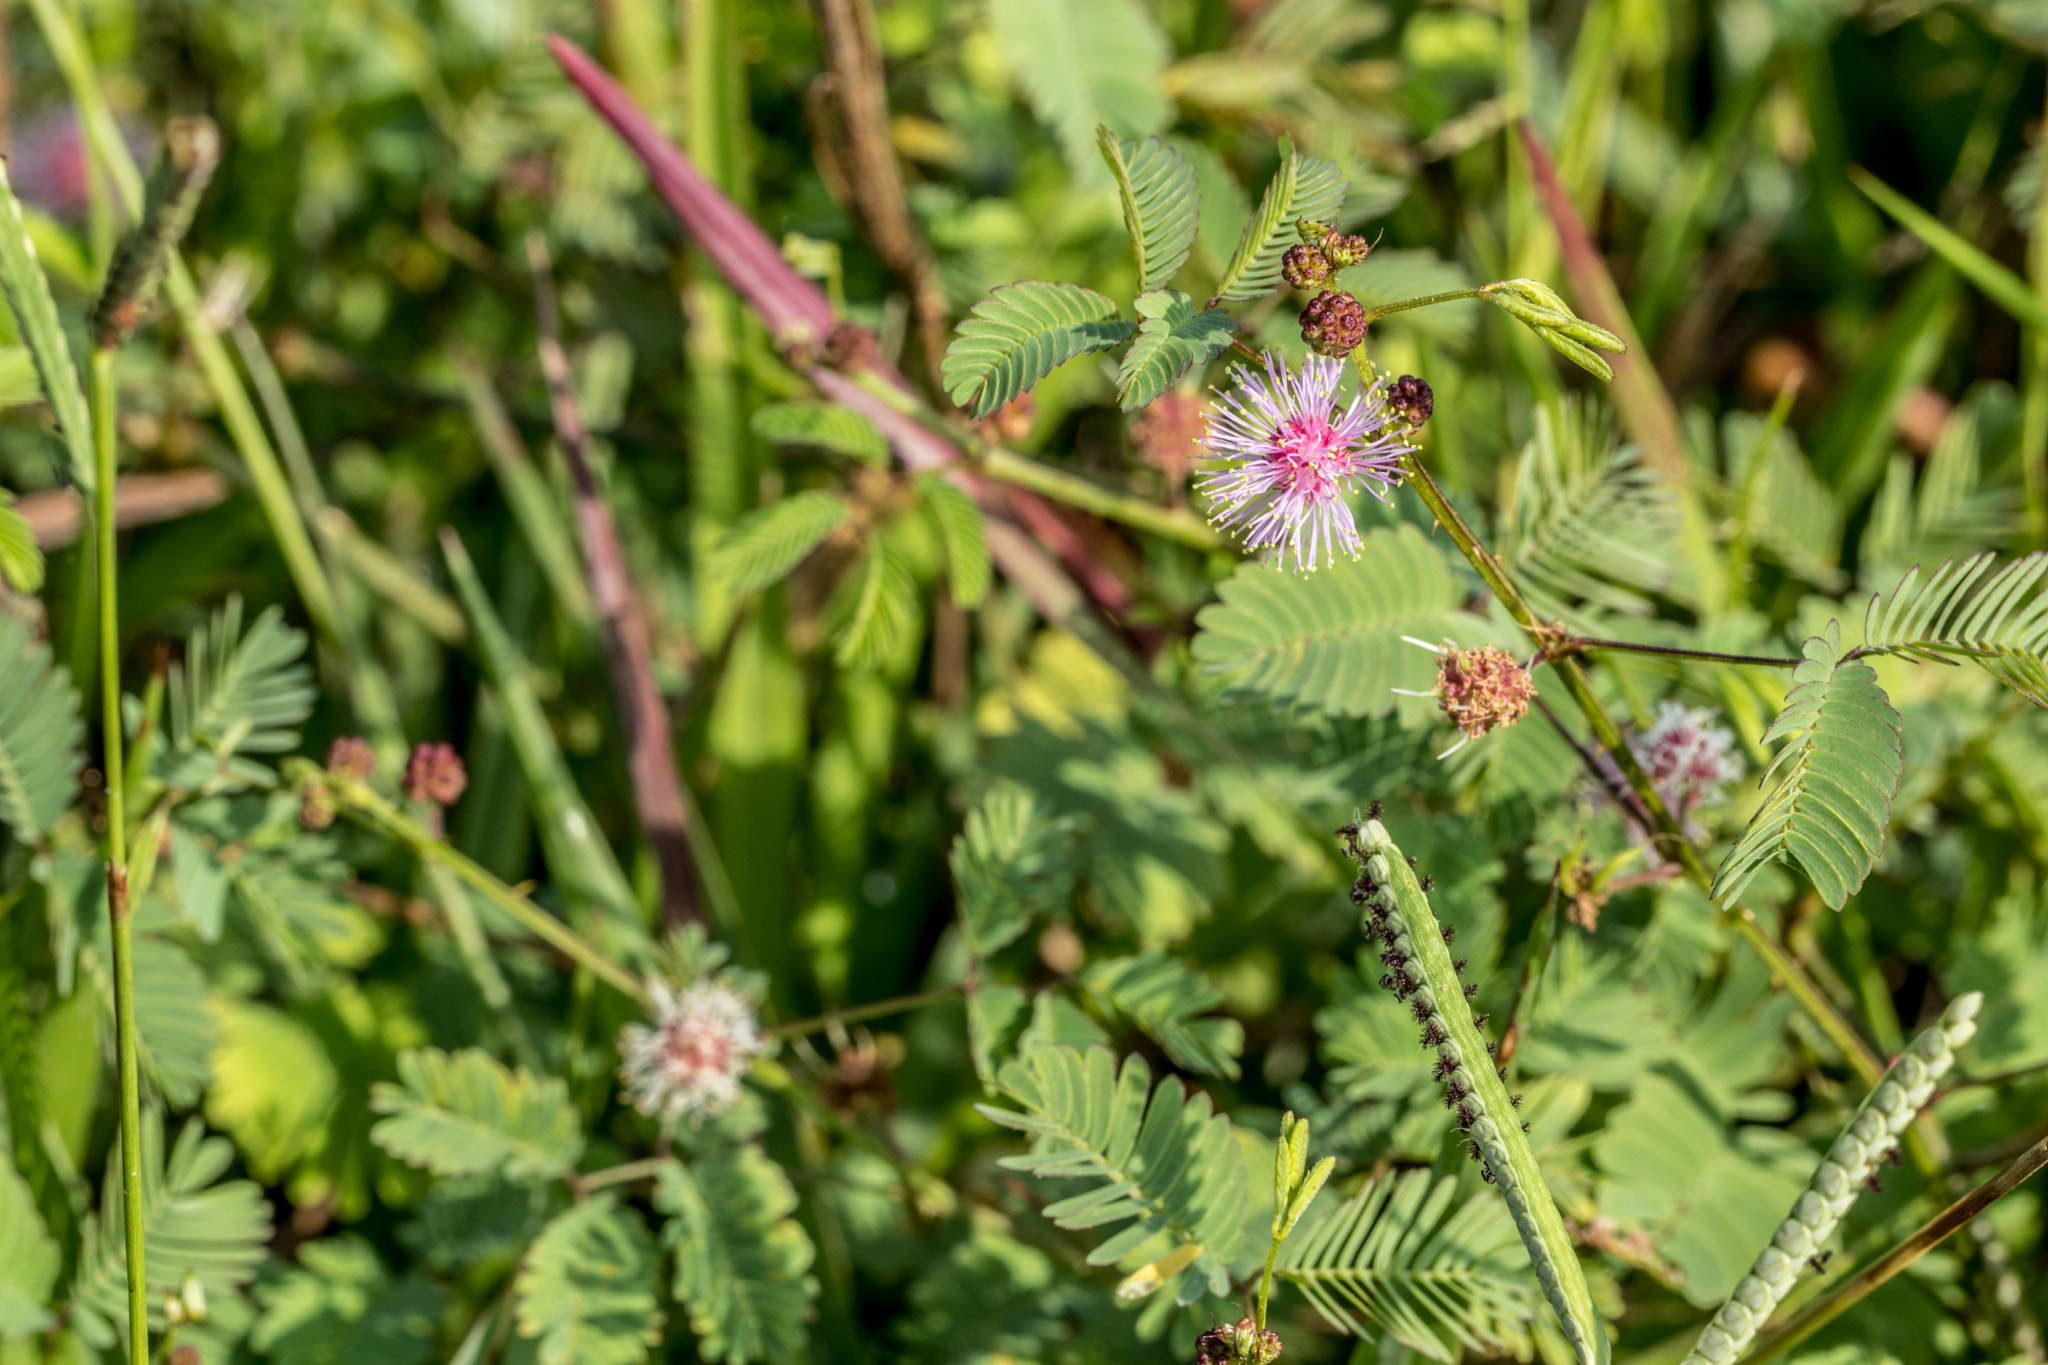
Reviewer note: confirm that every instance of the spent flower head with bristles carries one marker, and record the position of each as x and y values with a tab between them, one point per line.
1283	455
1482	689
689	1064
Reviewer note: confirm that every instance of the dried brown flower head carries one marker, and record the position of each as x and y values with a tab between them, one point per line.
1482	689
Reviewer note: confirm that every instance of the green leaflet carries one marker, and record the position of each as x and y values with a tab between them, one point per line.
826	426
1307	188
1164	997
1539	308
1589	522
29	1259
1999	623
1083	63
217	1233
339	1306
1398	913
886	613
1839	773
21	562
236	692
1332	639
968	570
1172	340
742	1263
764	546
1161	202
1167	1166
1440	1275
1010	865
1019	334
28	293
467	1114
40	731
587	1288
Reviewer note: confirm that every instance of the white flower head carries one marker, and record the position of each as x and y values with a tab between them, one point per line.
689	1064
1688	757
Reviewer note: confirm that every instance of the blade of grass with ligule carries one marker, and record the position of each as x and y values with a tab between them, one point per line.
578	856
35	311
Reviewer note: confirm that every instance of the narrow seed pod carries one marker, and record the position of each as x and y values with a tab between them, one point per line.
191	151
1481	1099
1853	1160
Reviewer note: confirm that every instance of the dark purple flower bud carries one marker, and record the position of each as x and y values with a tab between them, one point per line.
1303	267
1333	324
1410	400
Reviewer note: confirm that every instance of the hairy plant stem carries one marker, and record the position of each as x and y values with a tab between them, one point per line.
625	1174
900	1004
1373	315
1266	1280
367	808
120	921
1949	1221
1666	834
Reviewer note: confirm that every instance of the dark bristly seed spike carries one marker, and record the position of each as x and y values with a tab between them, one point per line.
191	151
1444	1067
1466	1116
1454	1092
1450	932
1428	884
1420	1010
1358	895
1372	812
1478	1020
1347	831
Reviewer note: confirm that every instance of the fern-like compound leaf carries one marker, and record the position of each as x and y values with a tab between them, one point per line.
764	546
339	1306
1019	334
968	569
1172	339
2000	623
466	1113
1590	522
1840	1178
1332	639
826	426
236	693
1837	776
1010	863
588	1289
216	1233
885	610
39	735
1162	204
1306	188
1443	1276
1158	1161
742	1262
1166	999
29	1259
1399	913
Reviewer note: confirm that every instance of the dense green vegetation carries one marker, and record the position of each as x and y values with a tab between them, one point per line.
687	790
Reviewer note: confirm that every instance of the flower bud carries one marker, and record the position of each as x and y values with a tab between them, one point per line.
1343	250
1410	400
1304	267
1313	232
434	773
352	757
1333	324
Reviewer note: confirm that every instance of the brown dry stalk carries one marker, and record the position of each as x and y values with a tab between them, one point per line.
55	517
855	88
643	714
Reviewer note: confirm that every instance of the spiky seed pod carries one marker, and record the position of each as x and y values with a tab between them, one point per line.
1852	1159
1304	267
1343	250
1449	1026
191	151
1333	324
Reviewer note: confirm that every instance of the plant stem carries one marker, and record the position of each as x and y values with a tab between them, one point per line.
1666	834
120	924
1373	315
1577	643
1535	958
1266	1280
874	1010
363	805
623	1174
1930	1235
1075	491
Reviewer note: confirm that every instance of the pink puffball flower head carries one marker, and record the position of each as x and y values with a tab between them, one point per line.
689	1064
1282	456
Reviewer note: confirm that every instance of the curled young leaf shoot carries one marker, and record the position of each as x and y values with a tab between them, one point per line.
1871	1135
1294	1186
1423	973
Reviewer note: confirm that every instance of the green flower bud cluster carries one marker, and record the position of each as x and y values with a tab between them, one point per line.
1851	1163
1422	972
1538	306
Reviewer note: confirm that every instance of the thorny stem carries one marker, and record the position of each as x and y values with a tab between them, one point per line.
120	921
1666	832
363	805
901	1004
1930	1235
